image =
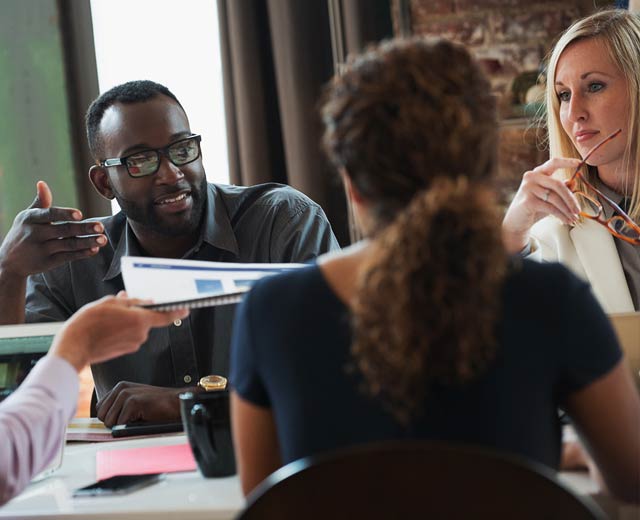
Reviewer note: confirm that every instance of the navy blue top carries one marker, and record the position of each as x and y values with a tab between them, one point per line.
291	345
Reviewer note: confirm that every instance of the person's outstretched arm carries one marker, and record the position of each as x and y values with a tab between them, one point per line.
33	421
33	418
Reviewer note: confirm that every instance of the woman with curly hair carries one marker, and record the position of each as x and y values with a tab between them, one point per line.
427	329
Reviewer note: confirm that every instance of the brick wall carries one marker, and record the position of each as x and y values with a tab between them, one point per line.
511	38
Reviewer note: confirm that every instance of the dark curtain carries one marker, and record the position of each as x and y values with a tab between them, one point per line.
365	21
276	56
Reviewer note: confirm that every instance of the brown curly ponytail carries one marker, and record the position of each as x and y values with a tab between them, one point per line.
428	299
413	124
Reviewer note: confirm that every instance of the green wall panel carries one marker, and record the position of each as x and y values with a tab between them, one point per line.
34	121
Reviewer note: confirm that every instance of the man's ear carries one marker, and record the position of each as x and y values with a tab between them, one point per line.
100	180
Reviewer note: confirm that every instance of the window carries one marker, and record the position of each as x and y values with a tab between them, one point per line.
145	39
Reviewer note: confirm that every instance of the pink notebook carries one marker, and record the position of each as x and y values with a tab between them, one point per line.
150	459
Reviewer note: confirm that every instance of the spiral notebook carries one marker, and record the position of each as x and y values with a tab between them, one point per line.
177	284
196	303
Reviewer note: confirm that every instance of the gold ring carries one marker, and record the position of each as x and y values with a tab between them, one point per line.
546	196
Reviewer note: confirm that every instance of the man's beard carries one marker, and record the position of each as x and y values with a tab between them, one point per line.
148	217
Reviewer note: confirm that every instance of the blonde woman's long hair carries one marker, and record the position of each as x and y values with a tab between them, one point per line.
619	32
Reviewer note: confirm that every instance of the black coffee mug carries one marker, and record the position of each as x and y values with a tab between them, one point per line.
205	416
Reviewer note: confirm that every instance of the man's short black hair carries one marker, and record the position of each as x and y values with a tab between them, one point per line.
130	92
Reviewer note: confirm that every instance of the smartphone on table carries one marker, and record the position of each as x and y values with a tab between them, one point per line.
131	429
118	485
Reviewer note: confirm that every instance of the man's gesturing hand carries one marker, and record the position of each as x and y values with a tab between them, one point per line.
44	236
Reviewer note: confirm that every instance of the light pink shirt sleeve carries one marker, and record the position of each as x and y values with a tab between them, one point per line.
32	422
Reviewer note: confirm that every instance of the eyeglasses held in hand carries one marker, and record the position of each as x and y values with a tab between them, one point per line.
619	225
147	162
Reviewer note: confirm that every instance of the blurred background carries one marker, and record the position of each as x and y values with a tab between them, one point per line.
249	74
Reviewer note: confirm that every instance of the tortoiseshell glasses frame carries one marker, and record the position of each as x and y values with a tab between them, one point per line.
619	225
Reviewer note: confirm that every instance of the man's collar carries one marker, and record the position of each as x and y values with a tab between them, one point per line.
217	232
126	246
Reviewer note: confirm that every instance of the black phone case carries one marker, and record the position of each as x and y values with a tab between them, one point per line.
118	485
129	430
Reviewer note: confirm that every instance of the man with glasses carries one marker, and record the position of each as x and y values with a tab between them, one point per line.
149	160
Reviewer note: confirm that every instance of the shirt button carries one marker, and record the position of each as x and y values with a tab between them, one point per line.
187	378
177	323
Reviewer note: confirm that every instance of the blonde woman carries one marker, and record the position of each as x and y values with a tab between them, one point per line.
593	90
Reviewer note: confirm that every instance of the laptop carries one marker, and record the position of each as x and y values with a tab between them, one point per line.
21	346
627	327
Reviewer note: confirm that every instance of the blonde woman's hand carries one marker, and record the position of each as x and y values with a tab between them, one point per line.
539	195
108	328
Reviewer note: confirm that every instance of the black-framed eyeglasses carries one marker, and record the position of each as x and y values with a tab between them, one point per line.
619	225
147	162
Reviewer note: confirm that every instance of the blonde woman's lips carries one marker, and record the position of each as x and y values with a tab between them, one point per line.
585	135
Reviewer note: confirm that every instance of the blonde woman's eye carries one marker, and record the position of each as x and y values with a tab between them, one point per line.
595	87
564	96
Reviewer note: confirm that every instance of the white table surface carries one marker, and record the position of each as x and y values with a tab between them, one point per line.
185	495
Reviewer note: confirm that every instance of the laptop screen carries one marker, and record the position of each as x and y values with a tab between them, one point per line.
21	346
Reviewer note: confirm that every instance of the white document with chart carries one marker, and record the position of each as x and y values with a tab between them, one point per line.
172	284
